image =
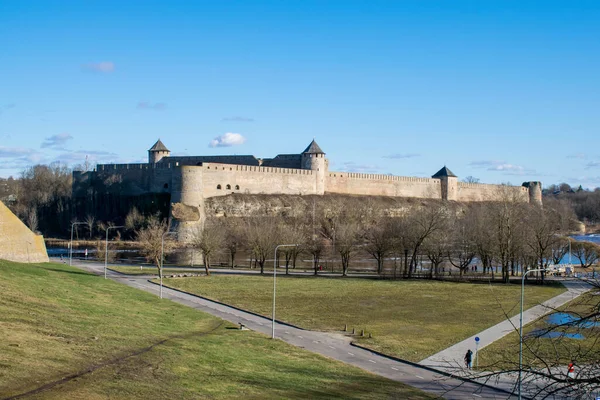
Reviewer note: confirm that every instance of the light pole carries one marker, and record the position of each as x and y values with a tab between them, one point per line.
106	247
275	282
162	260
71	242
521	325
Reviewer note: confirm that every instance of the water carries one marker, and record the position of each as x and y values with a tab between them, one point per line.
566	318
541	333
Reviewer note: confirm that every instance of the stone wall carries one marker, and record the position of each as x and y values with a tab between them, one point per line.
223	179
485	192
17	242
382	185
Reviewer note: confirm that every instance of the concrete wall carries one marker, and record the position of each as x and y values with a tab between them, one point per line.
255	180
382	185
484	192
17	242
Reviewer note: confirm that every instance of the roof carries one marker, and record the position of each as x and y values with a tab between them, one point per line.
444	172
159	146
313	148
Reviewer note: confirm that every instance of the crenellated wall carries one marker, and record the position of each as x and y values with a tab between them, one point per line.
485	192
382	185
255	180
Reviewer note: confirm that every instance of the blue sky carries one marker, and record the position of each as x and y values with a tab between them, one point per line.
505	91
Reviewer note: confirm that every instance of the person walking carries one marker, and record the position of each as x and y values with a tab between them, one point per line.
468	358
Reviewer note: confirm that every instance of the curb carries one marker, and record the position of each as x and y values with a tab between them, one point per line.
227	305
435	370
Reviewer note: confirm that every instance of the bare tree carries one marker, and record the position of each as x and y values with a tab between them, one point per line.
542	230
89	221
209	240
32	219
262	235
234	238
471	179
418	226
150	239
462	248
347	238
587	253
379	241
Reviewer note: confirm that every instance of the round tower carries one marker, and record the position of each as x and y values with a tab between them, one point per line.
535	192
187	202
157	152
313	158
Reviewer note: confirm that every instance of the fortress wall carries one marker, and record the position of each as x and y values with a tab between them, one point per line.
255	180
161	180
485	192
382	185
18	242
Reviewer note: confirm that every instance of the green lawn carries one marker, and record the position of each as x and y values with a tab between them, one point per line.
559	350
408	319
57	320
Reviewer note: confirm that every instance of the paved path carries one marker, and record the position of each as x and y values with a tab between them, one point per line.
327	344
451	361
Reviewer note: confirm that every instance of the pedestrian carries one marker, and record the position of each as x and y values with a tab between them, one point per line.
468	358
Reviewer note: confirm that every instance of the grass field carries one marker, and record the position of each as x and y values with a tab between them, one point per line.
559	350
56	321
408	319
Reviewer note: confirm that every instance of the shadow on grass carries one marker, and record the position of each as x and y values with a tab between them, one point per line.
66	271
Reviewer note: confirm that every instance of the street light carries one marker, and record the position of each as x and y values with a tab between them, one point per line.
275	282
106	247
162	261
521	324
71	242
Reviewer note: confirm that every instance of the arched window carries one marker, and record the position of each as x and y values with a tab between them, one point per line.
237	187
228	187
218	187
166	186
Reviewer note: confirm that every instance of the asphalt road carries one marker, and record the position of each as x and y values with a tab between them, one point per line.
330	345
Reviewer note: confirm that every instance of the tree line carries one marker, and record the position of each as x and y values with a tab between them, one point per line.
507	236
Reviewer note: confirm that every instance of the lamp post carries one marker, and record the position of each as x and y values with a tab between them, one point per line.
275	283
521	326
162	260
71	242
106	247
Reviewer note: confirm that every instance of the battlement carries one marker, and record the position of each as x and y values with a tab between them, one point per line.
383	177
251	168
467	185
140	166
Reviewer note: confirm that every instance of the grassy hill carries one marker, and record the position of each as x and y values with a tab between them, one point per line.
112	341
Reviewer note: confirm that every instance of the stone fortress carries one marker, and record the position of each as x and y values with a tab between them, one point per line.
191	179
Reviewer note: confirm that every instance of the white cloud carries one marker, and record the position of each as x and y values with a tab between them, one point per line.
19	157
144	105
592	164
104	67
502	166
93	156
580	156
227	140
56	141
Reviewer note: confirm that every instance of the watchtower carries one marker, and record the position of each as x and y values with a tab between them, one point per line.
158	151
535	191
313	158
449	183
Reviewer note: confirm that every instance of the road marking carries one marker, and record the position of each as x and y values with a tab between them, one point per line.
350	353
476	395
260	323
374	362
395	369
287	332
331	347
300	337
315	341
419	376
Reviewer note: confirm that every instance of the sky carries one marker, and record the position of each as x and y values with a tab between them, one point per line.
504	91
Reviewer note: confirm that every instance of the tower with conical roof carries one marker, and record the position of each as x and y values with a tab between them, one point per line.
313	158
158	151
449	183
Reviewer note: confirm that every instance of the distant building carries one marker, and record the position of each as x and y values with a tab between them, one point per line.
191	179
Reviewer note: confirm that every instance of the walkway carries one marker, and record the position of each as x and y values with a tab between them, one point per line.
451	361
334	346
